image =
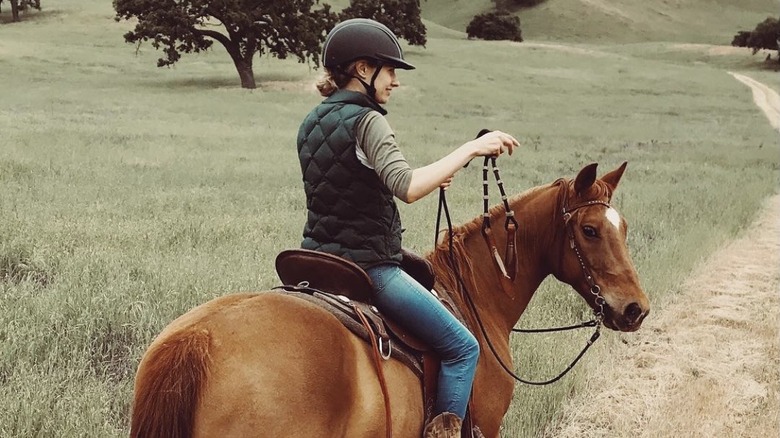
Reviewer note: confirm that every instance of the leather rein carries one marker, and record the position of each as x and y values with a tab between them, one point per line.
507	271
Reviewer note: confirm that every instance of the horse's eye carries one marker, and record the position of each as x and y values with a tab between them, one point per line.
589	231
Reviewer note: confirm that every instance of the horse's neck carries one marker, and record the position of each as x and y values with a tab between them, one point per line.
536	235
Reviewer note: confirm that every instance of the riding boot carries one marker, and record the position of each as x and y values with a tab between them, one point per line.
444	425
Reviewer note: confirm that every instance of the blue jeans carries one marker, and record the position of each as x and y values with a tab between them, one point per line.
400	297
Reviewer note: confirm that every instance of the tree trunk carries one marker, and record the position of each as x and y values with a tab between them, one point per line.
242	62
15	10
246	73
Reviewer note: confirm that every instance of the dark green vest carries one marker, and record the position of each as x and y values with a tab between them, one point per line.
351	213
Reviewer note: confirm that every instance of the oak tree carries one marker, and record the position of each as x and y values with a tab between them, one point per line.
766	36
244	27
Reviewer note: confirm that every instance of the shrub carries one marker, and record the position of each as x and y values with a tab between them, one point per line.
495	26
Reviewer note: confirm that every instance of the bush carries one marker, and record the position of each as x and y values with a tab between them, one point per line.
495	26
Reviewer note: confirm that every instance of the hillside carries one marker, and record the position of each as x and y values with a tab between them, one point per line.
608	21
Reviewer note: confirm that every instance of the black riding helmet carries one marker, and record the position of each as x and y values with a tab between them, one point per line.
362	38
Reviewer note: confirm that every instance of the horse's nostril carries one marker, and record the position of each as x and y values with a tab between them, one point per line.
632	312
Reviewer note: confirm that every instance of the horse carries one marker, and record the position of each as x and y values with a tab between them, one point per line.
271	365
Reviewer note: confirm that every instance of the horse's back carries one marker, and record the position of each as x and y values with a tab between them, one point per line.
281	366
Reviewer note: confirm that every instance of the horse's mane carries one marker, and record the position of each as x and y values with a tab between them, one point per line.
446	274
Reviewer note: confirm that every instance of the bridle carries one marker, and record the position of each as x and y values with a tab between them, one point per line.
595	289
507	271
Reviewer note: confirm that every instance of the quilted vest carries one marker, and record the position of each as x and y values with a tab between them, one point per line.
351	213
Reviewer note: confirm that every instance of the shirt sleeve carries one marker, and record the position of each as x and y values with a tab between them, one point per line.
377	142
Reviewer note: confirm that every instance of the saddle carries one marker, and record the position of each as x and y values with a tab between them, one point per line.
338	275
344	289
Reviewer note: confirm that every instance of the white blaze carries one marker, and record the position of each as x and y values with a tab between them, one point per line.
613	216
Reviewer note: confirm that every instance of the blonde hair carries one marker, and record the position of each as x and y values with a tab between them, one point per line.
337	78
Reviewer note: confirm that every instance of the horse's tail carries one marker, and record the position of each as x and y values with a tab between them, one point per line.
168	386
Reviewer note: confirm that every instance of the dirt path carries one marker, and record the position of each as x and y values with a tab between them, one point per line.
766	98
706	364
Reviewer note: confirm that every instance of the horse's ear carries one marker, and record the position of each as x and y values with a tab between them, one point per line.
613	178
585	178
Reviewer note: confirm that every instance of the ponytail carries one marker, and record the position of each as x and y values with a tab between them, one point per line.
337	78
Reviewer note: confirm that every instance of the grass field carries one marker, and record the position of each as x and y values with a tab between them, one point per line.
131	194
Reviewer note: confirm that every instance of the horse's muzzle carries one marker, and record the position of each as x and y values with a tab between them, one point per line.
628	321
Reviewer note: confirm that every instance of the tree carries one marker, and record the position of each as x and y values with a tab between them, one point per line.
766	36
243	27
495	26
22	5
401	16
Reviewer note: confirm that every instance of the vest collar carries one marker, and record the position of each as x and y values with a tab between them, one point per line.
349	96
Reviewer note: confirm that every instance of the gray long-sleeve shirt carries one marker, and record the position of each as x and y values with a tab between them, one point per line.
378	150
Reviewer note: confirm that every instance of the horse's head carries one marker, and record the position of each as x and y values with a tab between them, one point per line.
594	258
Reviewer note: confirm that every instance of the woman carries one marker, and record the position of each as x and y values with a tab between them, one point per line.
352	171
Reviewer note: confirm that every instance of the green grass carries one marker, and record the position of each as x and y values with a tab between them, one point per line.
131	194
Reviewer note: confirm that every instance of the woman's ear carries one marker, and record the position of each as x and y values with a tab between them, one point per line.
362	69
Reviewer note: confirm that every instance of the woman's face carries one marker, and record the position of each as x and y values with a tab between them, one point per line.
385	82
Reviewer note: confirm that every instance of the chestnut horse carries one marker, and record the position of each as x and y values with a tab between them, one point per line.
271	365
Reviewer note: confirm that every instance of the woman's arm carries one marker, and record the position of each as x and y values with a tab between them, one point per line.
377	141
428	178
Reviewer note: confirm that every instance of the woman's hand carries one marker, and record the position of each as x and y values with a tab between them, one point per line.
446	184
439	174
493	143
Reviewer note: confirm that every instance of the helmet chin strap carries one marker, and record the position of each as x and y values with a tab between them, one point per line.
370	88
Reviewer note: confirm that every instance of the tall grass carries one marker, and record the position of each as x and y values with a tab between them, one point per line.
131	194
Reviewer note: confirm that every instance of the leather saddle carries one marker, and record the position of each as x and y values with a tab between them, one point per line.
334	274
324	272
332	279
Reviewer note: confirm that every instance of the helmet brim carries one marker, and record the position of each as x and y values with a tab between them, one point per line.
395	62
